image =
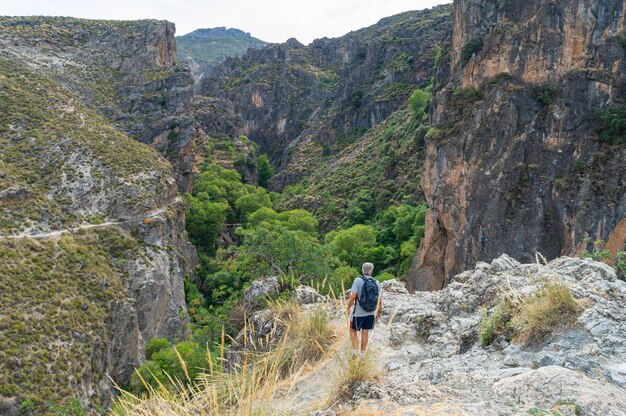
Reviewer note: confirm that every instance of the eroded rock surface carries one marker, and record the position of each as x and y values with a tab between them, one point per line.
434	362
514	152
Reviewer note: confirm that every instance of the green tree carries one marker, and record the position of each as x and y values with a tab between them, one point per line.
247	204
418	101
288	254
362	208
297	219
266	171
204	220
351	245
338	281
612	124
155	345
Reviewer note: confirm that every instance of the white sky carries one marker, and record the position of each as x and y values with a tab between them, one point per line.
271	20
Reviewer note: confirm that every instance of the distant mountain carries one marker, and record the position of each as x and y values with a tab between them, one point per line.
213	45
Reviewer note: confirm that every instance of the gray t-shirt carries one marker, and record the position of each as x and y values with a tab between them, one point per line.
357	287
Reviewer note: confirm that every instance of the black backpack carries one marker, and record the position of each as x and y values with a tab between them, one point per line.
369	294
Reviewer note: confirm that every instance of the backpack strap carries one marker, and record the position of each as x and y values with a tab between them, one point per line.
357	295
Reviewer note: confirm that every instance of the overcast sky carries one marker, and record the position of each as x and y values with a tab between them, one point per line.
271	20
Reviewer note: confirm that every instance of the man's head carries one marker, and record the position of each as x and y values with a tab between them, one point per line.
367	269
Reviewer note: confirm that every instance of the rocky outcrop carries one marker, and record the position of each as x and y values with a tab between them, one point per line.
514	151
434	362
127	71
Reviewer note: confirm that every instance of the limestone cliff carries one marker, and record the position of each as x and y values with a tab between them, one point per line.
514	153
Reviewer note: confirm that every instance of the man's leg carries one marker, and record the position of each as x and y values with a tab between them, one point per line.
364	339
355	339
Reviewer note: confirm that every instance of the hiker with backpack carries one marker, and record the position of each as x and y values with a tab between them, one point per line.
364	305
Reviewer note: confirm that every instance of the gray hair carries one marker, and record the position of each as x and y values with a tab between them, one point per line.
367	269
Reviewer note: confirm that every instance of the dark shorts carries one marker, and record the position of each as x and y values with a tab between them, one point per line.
362	322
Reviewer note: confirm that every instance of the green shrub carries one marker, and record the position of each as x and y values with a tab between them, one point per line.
501	77
490	326
26	407
383	277
466	95
580	166
418	101
71	408
356	99
545	93
472	47
612	125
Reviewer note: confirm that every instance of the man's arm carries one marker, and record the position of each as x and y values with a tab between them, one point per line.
380	306
351	301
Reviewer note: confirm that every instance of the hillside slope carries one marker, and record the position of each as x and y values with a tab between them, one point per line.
292	97
204	47
526	146
92	237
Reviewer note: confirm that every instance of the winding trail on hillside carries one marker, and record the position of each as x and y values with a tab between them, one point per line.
57	233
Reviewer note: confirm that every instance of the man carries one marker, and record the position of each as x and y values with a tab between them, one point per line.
364	304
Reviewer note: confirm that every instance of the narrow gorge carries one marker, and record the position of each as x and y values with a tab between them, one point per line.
167	214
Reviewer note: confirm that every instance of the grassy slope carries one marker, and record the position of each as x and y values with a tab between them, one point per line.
55	294
44	133
385	161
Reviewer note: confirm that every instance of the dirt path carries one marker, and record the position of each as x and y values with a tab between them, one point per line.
310	390
57	233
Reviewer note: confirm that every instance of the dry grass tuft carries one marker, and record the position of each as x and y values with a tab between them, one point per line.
550	308
350	371
247	390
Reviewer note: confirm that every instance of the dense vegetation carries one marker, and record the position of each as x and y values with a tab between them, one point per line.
56	293
240	236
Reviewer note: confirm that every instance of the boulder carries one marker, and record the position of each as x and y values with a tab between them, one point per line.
259	292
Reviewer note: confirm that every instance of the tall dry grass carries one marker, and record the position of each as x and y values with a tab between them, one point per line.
349	371
550	308
249	388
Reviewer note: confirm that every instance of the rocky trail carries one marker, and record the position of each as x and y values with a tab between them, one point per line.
57	233
431	362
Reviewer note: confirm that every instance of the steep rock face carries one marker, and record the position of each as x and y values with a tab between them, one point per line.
92	236
519	160
127	71
296	100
